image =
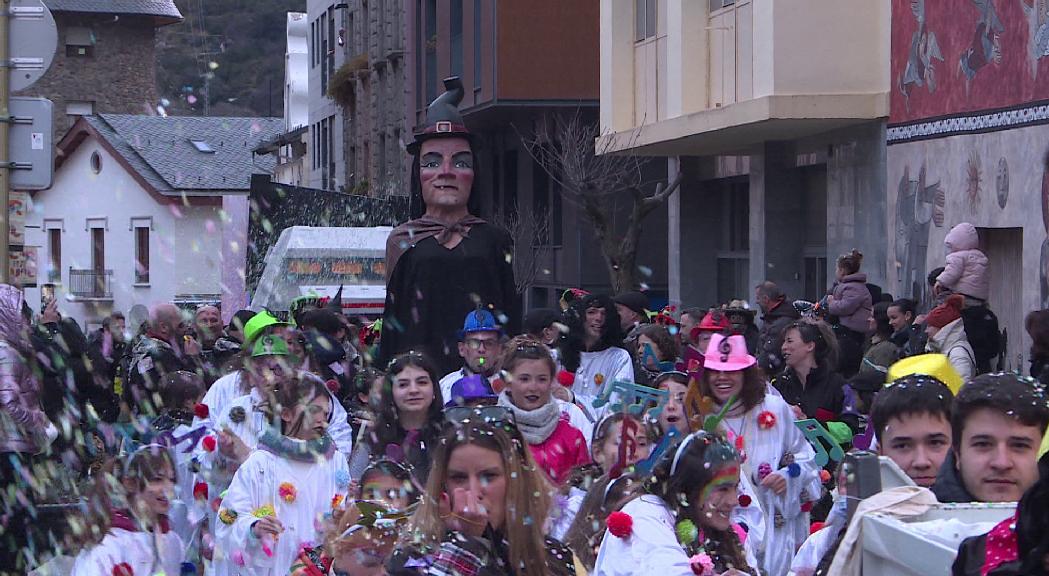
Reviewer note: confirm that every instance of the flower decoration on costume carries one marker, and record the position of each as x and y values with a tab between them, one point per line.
123	569
824	476
264	511
187	569
227	516
620	524
238	558
764	470
336	501
806	506
740	443
744	500
237	414
215	504
702	564
599	378
816	527
201	411
565	378
766	420
687	533
200	491
794	470
333	386
209	443
342	478
287	492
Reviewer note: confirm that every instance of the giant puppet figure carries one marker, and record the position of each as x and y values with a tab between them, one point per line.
445	262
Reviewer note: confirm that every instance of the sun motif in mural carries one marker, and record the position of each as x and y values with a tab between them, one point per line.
973	179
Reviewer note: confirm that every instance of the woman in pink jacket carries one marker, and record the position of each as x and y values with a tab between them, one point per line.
556	445
965	272
24	429
850	301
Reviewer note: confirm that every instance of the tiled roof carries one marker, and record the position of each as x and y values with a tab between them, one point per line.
161	8
162	151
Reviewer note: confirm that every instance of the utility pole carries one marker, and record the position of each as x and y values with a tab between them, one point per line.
5	130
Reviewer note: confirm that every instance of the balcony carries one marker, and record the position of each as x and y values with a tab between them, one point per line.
89	285
719	77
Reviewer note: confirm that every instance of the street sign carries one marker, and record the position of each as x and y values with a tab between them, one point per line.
31	147
32	42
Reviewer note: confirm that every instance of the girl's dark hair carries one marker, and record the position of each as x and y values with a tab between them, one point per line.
393	469
667	344
850	262
906	305
572	343
388	429
753	391
1037	326
302	388
826	351
527	348
176	388
587	530
881	320
683	487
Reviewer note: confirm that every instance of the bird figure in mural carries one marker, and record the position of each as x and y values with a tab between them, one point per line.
1037	14
923	52
986	46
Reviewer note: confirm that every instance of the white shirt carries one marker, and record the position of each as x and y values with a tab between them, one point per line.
145	552
597	370
652	547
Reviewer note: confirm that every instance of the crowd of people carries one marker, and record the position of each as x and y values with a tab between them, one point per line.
604	438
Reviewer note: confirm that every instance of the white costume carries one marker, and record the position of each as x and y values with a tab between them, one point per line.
256	484
652	546
597	370
221	394
775	545
186	511
143	552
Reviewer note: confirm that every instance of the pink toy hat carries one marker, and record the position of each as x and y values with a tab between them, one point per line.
727	354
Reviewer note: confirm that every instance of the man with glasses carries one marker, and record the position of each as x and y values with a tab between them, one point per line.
481	347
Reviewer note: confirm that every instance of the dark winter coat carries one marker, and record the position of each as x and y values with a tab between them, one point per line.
822	397
911	340
949	486
770	337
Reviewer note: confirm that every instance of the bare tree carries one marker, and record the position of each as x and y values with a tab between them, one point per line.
529	231
593	178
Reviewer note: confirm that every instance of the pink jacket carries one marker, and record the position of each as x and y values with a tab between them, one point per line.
20	412
966	268
563	450
852	303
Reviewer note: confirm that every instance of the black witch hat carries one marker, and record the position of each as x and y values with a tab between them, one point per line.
443	119
335	304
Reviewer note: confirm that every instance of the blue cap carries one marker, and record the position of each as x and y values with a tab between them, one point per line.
468	388
479	320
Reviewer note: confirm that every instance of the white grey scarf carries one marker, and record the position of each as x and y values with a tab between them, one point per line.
535	425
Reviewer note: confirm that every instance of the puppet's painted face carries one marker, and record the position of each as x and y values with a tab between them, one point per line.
446	171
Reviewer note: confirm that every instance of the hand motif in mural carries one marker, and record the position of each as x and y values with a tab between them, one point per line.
986	45
1037	14
924	51
917	205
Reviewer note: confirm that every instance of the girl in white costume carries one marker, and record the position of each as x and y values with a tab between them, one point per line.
280	492
776	457
677	521
138	538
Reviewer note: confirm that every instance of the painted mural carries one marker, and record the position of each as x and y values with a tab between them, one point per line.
967	56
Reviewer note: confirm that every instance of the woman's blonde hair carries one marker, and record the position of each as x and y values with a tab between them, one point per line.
527	492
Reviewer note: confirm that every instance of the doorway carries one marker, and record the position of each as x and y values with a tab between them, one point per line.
1004	250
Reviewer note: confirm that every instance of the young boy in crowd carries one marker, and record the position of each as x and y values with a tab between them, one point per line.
997	425
912	420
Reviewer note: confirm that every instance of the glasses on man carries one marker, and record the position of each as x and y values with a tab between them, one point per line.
478	343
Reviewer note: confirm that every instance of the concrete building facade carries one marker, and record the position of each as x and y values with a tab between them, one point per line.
783	156
513	83
327	35
105	61
968	141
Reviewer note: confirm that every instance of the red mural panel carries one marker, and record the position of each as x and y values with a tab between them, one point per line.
953	57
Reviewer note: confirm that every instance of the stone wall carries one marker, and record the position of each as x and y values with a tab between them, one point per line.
119	77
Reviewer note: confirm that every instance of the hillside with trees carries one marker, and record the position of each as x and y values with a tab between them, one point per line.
226	58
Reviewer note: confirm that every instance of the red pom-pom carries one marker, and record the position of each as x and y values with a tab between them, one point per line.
815	527
209	443
201	411
565	378
620	524
216	504
744	500
806	506
333	386
824	476
200	491
766	420
123	569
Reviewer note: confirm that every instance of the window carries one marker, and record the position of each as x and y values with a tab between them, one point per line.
313	44
733	258
330	54
80	42
509	183
431	50
419	93
477	44
456	38
96	162
98	249
719	4
541	201
80	107
142	255
54	250
202	146
644	19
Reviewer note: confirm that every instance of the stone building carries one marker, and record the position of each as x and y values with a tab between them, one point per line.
105	60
